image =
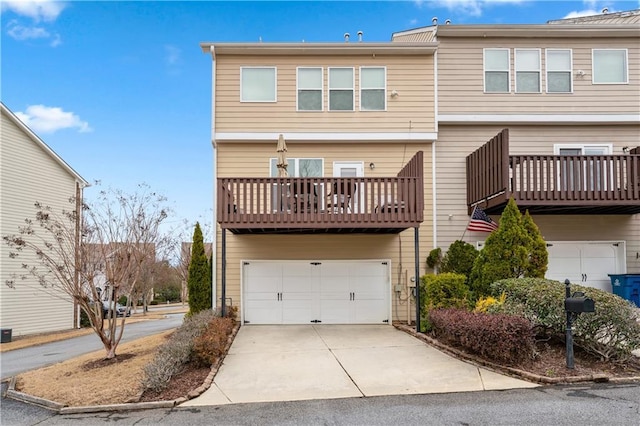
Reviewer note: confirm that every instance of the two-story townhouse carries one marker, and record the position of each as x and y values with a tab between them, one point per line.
30	172
338	239
568	94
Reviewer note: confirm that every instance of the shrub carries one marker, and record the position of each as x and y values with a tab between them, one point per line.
208	346
611	332
199	279
459	258
514	250
123	300
489	303
434	258
153	302
443	291
173	355
503	338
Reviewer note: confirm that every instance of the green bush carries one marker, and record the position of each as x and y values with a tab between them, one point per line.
123	300
459	258
434	258
153	302
444	291
502	338
611	332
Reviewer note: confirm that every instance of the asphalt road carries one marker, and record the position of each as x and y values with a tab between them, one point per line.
598	404
17	361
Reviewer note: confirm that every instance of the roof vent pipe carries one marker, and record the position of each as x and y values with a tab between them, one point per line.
447	22
605	10
360	36
346	37
434	20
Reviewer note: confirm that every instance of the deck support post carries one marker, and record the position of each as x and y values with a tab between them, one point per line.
416	241
223	272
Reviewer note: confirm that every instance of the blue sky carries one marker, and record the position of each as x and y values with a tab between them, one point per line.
122	91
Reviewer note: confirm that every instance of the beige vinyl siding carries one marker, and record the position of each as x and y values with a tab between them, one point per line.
252	160
456	142
412	110
29	174
461	79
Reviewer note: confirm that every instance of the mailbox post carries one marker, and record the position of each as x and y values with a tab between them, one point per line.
574	306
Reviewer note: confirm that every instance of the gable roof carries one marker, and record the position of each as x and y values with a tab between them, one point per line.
36	139
628	17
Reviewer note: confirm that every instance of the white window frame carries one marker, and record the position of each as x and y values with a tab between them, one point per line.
353	89
516	70
275	84
626	66
484	68
296	161
321	90
608	150
570	70
384	88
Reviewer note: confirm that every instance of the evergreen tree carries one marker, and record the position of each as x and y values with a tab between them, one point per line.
538	255
199	281
459	259
505	254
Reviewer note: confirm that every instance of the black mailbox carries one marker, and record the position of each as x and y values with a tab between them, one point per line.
579	303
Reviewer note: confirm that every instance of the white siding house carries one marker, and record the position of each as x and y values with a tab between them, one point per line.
30	171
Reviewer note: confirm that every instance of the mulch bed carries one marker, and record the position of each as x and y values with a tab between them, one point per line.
90	365
180	385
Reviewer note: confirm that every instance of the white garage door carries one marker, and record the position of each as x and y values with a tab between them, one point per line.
586	263
327	292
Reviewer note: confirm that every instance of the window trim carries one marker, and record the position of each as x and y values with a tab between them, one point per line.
558	146
593	65
484	69
353	89
384	69
275	83
296	160
516	70
321	89
570	70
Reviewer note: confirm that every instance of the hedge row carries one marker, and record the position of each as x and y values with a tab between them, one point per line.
503	338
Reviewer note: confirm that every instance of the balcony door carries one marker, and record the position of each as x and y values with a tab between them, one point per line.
351	169
583	174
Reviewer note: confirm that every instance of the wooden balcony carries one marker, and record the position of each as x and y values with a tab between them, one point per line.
552	184
323	205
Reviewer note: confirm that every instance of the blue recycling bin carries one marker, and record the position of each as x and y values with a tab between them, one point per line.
626	286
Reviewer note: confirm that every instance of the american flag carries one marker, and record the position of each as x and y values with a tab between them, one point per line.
481	222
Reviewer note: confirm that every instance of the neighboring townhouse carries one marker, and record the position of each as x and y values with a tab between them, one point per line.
568	94
335	241
30	171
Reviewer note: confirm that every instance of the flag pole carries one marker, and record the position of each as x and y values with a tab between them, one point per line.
470	217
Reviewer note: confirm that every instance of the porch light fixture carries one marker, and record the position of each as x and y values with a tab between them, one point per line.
372	166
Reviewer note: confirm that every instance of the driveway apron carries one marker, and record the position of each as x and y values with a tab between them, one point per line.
299	362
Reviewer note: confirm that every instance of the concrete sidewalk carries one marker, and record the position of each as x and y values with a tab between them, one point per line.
299	362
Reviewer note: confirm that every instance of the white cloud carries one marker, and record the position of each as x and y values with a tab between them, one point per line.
172	54
44	119
466	7
581	13
20	32
38	10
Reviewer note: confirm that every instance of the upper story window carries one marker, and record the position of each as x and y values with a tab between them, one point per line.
527	66
559	71
373	88
341	92
300	167
496	71
309	89
610	66
258	84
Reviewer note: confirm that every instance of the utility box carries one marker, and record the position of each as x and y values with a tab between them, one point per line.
6	335
626	286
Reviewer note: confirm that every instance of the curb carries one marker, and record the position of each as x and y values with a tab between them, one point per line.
526	375
130	406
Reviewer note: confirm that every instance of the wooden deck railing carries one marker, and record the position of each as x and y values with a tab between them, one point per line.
493	176
318	202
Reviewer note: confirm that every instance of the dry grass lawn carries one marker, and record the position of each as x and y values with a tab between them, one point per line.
78	382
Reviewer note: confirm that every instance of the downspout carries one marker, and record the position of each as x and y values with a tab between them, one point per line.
433	153
214	242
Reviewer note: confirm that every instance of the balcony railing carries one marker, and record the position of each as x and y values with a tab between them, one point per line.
581	184
318	204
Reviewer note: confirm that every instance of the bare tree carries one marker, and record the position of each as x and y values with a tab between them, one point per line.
120	233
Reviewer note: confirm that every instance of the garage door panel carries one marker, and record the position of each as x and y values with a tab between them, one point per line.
333	292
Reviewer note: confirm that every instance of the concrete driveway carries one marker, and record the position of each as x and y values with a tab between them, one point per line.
298	362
